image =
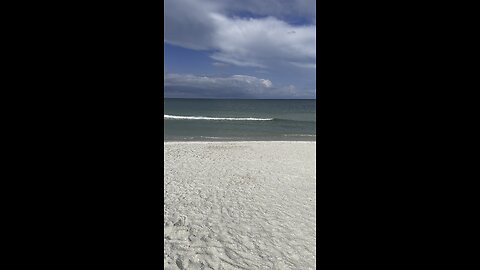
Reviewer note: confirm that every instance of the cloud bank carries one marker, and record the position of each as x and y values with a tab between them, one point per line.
236	86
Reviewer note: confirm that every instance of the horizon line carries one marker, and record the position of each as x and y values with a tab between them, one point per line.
244	98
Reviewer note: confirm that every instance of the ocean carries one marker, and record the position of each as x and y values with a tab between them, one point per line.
239	120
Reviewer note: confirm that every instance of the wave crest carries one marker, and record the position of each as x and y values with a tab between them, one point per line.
178	117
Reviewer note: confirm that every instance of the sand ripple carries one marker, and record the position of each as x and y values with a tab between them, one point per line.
242	205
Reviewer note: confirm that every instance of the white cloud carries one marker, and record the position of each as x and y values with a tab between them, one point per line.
282	9
219	64
236	86
262	42
256	42
246	83
186	23
304	65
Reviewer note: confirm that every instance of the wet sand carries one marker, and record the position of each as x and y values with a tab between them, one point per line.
239	205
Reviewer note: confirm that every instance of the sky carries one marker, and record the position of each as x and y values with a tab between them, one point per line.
240	49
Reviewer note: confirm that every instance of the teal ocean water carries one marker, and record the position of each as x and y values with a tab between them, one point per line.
237	119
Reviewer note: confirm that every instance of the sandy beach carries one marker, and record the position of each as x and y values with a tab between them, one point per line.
239	205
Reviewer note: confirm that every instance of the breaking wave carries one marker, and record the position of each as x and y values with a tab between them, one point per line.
178	117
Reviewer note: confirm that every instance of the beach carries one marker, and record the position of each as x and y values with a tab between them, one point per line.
240	205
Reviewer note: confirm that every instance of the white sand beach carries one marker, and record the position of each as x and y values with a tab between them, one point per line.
239	205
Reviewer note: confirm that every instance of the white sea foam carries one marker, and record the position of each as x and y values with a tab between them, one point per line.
178	117
300	135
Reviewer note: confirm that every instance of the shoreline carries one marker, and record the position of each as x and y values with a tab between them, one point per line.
242	140
207	142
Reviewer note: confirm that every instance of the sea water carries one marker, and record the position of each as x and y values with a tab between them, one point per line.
239	119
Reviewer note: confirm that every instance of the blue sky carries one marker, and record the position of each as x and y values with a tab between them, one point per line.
240	49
